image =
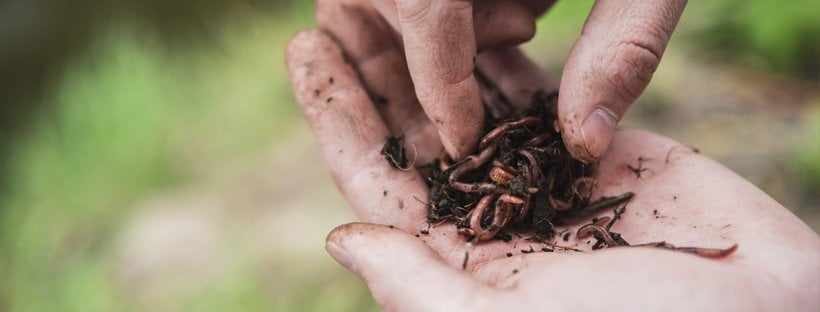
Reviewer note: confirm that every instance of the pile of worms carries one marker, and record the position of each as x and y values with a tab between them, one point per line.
523	178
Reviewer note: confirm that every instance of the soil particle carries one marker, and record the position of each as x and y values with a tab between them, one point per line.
394	152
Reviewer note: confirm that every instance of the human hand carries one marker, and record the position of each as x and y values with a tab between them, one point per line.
682	198
609	66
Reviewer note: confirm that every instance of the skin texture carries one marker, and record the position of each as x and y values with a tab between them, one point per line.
609	66
682	197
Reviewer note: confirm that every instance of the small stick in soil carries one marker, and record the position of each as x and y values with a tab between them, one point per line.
467	248
604	203
618	213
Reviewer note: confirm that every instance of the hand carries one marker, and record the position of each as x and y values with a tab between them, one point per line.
608	68
682	197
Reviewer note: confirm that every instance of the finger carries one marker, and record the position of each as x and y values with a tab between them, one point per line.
403	273
496	23
351	133
515	75
538	7
503	23
371	47
609	66
440	46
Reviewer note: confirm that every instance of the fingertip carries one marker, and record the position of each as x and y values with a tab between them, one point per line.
301	42
352	236
609	66
459	124
503	23
589	140
336	243
466	144
343	232
597	131
402	271
356	245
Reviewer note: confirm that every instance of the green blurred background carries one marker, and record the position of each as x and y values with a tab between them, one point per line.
152	157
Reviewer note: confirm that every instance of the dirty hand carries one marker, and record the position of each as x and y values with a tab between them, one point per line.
681	197
608	68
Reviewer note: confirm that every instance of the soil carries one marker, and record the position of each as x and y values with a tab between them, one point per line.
543	184
394	152
523	180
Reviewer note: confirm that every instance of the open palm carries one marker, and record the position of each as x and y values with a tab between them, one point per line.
354	99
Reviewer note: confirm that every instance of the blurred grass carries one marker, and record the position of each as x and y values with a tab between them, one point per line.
807	157
138	114
767	35
127	119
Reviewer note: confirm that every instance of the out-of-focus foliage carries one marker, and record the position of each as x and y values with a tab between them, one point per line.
807	156
780	36
140	108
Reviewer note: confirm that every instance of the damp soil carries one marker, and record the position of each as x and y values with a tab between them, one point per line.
523	180
530	173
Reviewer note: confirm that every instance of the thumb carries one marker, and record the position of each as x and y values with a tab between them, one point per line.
402	272
608	68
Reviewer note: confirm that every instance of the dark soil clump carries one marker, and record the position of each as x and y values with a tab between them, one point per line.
394	152
523	177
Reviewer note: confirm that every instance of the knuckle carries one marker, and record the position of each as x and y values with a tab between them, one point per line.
413	11
632	65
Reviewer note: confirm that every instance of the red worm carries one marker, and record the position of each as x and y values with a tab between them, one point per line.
714	253
583	186
603	234
478	212
584	232
471	163
536	171
559	205
538	140
501	216
504	127
525	208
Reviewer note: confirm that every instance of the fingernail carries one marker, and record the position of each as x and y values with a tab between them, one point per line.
342	256
597	131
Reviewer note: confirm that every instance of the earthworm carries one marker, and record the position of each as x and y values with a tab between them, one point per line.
536	170
504	127
501	173
538	140
478	213
472	162
576	186
714	253
603	234
584	232
501	215
525	208
557	204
